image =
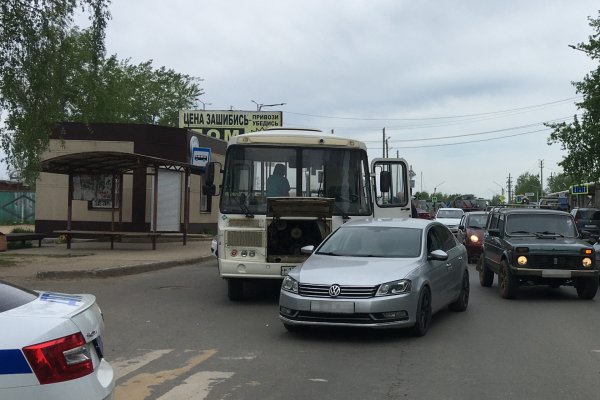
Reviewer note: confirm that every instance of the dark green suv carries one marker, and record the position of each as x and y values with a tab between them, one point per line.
527	246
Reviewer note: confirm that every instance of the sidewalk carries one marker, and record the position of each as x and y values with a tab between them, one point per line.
90	258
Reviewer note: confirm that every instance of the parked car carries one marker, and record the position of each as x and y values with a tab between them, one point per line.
450	217
587	219
377	273
525	246
470	233
51	346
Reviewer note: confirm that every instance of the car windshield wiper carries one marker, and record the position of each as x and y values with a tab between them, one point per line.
548	233
328	253
523	232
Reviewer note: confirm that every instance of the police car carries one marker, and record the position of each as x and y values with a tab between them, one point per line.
51	346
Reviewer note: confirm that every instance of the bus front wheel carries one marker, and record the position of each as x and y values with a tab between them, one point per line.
235	289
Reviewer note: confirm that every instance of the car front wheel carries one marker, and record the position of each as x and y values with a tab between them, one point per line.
423	315
586	288
486	275
507	283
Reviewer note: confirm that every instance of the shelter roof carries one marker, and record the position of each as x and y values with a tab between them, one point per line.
110	162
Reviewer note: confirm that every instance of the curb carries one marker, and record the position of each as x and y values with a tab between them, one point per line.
118	271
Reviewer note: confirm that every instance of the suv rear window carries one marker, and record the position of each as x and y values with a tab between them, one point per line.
588	214
12	296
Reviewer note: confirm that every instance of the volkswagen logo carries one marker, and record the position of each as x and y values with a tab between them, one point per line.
334	290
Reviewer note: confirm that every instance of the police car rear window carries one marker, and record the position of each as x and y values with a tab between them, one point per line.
12	296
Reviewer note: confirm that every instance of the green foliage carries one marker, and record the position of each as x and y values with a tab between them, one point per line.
34	72
498	200
52	71
560	182
527	183
581	138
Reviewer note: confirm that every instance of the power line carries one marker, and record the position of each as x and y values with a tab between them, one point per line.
440	117
474	141
470	134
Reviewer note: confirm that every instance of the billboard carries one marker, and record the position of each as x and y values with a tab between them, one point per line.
225	124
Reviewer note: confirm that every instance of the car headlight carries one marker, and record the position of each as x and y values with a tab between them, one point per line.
522	260
474	238
586	262
289	285
395	287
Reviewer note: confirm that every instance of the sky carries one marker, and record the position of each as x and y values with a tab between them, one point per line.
462	88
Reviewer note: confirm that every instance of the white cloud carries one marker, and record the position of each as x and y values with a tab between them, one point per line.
382	60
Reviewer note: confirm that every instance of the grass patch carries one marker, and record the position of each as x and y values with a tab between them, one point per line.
7	262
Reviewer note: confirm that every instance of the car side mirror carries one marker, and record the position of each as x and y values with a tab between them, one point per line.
494	232
461	227
307	249
438	255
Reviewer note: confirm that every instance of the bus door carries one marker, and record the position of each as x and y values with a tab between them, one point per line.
390	187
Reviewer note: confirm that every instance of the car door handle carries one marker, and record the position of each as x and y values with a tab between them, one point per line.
449	266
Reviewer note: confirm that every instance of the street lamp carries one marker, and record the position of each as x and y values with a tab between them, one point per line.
438	185
260	106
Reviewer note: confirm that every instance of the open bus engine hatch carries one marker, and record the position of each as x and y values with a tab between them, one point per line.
295	222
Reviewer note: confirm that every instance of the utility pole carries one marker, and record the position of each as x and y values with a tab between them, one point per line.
509	185
384	142
541	178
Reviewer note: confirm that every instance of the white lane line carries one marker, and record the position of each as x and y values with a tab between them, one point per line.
197	386
318	380
125	367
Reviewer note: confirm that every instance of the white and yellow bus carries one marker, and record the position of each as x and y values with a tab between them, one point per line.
319	182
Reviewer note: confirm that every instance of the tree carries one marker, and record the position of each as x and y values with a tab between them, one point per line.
33	73
560	182
581	138
527	183
53	72
498	200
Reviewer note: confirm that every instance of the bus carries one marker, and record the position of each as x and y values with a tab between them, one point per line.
284	189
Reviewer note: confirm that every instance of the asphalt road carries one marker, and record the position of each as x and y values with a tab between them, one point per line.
173	334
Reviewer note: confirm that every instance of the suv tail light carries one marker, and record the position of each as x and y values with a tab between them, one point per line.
60	360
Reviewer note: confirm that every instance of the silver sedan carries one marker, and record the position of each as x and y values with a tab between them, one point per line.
378	273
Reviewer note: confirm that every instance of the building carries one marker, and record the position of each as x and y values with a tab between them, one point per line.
83	149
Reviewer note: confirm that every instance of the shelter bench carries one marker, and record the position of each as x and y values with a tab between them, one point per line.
70	234
25	236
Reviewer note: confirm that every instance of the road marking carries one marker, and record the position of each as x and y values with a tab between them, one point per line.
318	380
139	387
125	367
197	386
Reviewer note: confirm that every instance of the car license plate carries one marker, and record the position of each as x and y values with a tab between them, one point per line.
556	273
286	269
341	307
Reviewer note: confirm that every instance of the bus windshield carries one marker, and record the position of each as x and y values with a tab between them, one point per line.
253	173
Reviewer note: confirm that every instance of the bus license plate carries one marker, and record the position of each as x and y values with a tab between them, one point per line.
286	269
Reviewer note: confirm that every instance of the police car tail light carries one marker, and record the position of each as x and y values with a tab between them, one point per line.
60	360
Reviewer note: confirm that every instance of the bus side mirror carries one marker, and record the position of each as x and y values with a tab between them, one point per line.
385	181
209	188
209	178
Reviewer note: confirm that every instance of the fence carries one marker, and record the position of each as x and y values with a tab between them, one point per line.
17	207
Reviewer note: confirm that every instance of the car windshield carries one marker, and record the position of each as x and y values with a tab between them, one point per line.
540	224
374	241
450	214
477	221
